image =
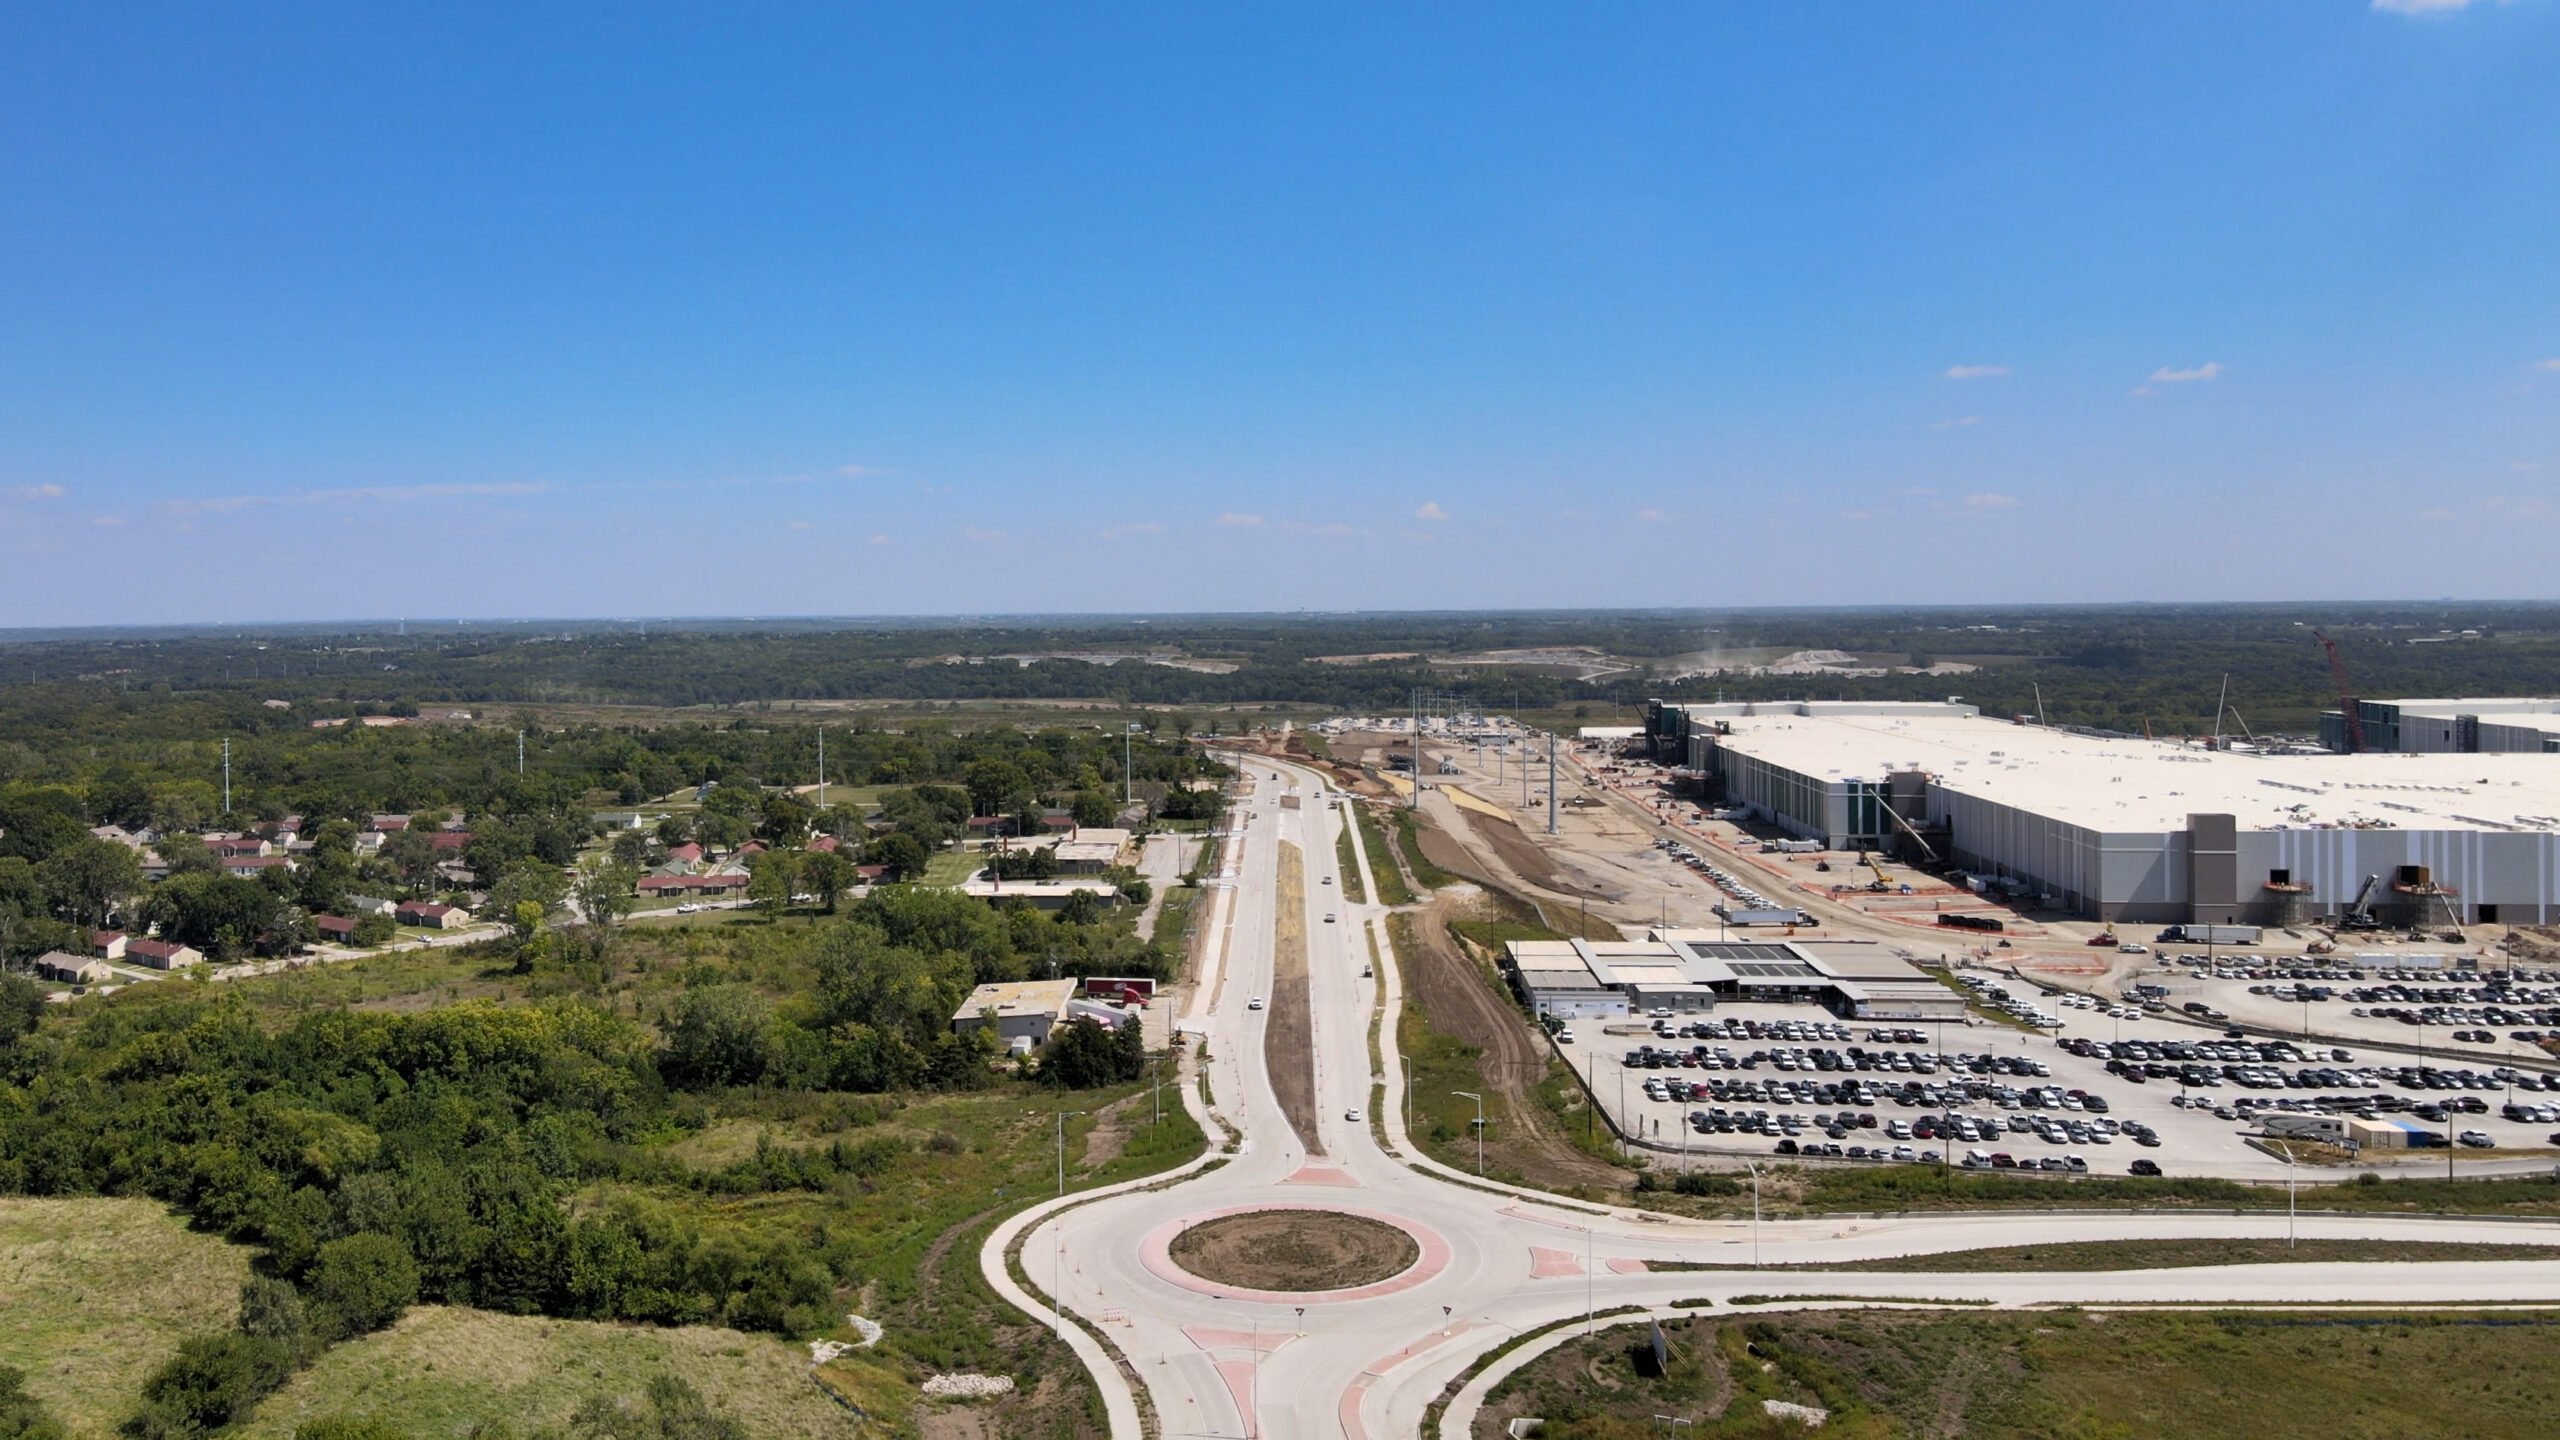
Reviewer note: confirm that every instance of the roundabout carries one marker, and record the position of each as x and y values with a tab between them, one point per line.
1294	1253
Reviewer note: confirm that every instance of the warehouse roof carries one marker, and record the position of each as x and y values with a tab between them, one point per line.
2122	785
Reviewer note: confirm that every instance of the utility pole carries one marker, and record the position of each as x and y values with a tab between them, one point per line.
1417	748
1551	784
822	767
226	774
1128	765
519	754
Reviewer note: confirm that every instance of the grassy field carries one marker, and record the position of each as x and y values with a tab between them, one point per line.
1348	863
2093	1255
2054	1375
951	867
442	1370
1382	861
95	1293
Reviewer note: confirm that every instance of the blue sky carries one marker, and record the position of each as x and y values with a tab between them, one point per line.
362	310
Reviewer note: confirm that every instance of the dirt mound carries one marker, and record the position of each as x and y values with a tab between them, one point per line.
1295	1250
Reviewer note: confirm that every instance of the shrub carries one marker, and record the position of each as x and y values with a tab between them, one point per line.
213	1381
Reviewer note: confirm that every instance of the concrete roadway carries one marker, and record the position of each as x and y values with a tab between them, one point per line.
1496	1261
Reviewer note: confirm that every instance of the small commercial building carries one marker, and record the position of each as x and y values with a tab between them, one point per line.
1049	895
1090	850
1017	1010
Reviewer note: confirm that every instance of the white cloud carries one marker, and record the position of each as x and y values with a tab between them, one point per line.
1986	500
1430	510
2424	7
1957	424
33	492
2550	364
857	472
2210	370
1651	515
416	492
1974	372
879	539
1245	521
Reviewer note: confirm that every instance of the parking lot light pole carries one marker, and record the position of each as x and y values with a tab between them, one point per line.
1469	1095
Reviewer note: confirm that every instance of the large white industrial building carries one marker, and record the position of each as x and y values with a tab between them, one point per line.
2140	830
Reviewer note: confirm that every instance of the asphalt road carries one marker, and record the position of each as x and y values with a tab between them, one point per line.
1496	1262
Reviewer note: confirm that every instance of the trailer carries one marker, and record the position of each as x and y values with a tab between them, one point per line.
1795	847
1764	917
2209	935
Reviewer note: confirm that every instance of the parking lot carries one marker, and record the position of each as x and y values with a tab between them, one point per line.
2091	1090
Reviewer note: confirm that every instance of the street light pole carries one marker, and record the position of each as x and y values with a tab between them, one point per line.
2289	1174
1754	1168
1469	1095
1062	1148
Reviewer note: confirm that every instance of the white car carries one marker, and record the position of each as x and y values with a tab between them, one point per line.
1563	1037
1254	1004
1328	879
1328	919
2133	949
1351	1114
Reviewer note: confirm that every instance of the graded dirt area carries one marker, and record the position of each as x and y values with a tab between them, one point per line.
1288	1039
1295	1250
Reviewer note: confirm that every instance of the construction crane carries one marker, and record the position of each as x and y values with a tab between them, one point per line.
1882	882
2359	915
2346	694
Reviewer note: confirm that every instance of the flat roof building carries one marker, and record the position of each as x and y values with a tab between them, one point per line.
2458	727
2118	828
1690	971
1020	1010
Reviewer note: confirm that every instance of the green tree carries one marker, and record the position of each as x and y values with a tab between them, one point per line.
901	852
375	928
825	874
997	786
89	878
722	1036
187	855
1094	808
785	819
1084	1054
770	877
361	1283
218	914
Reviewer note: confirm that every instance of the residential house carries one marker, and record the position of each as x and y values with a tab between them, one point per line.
687	855
232	847
428	915
109	944
162	954
387	824
71	969
335	929
367	905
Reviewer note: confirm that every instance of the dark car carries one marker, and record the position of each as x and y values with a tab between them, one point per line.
1786	1147
2144	1167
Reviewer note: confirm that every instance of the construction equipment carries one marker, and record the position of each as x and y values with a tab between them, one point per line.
2359	913
2346	694
1882	882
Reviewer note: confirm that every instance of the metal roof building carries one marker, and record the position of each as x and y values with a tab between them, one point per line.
2119	828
